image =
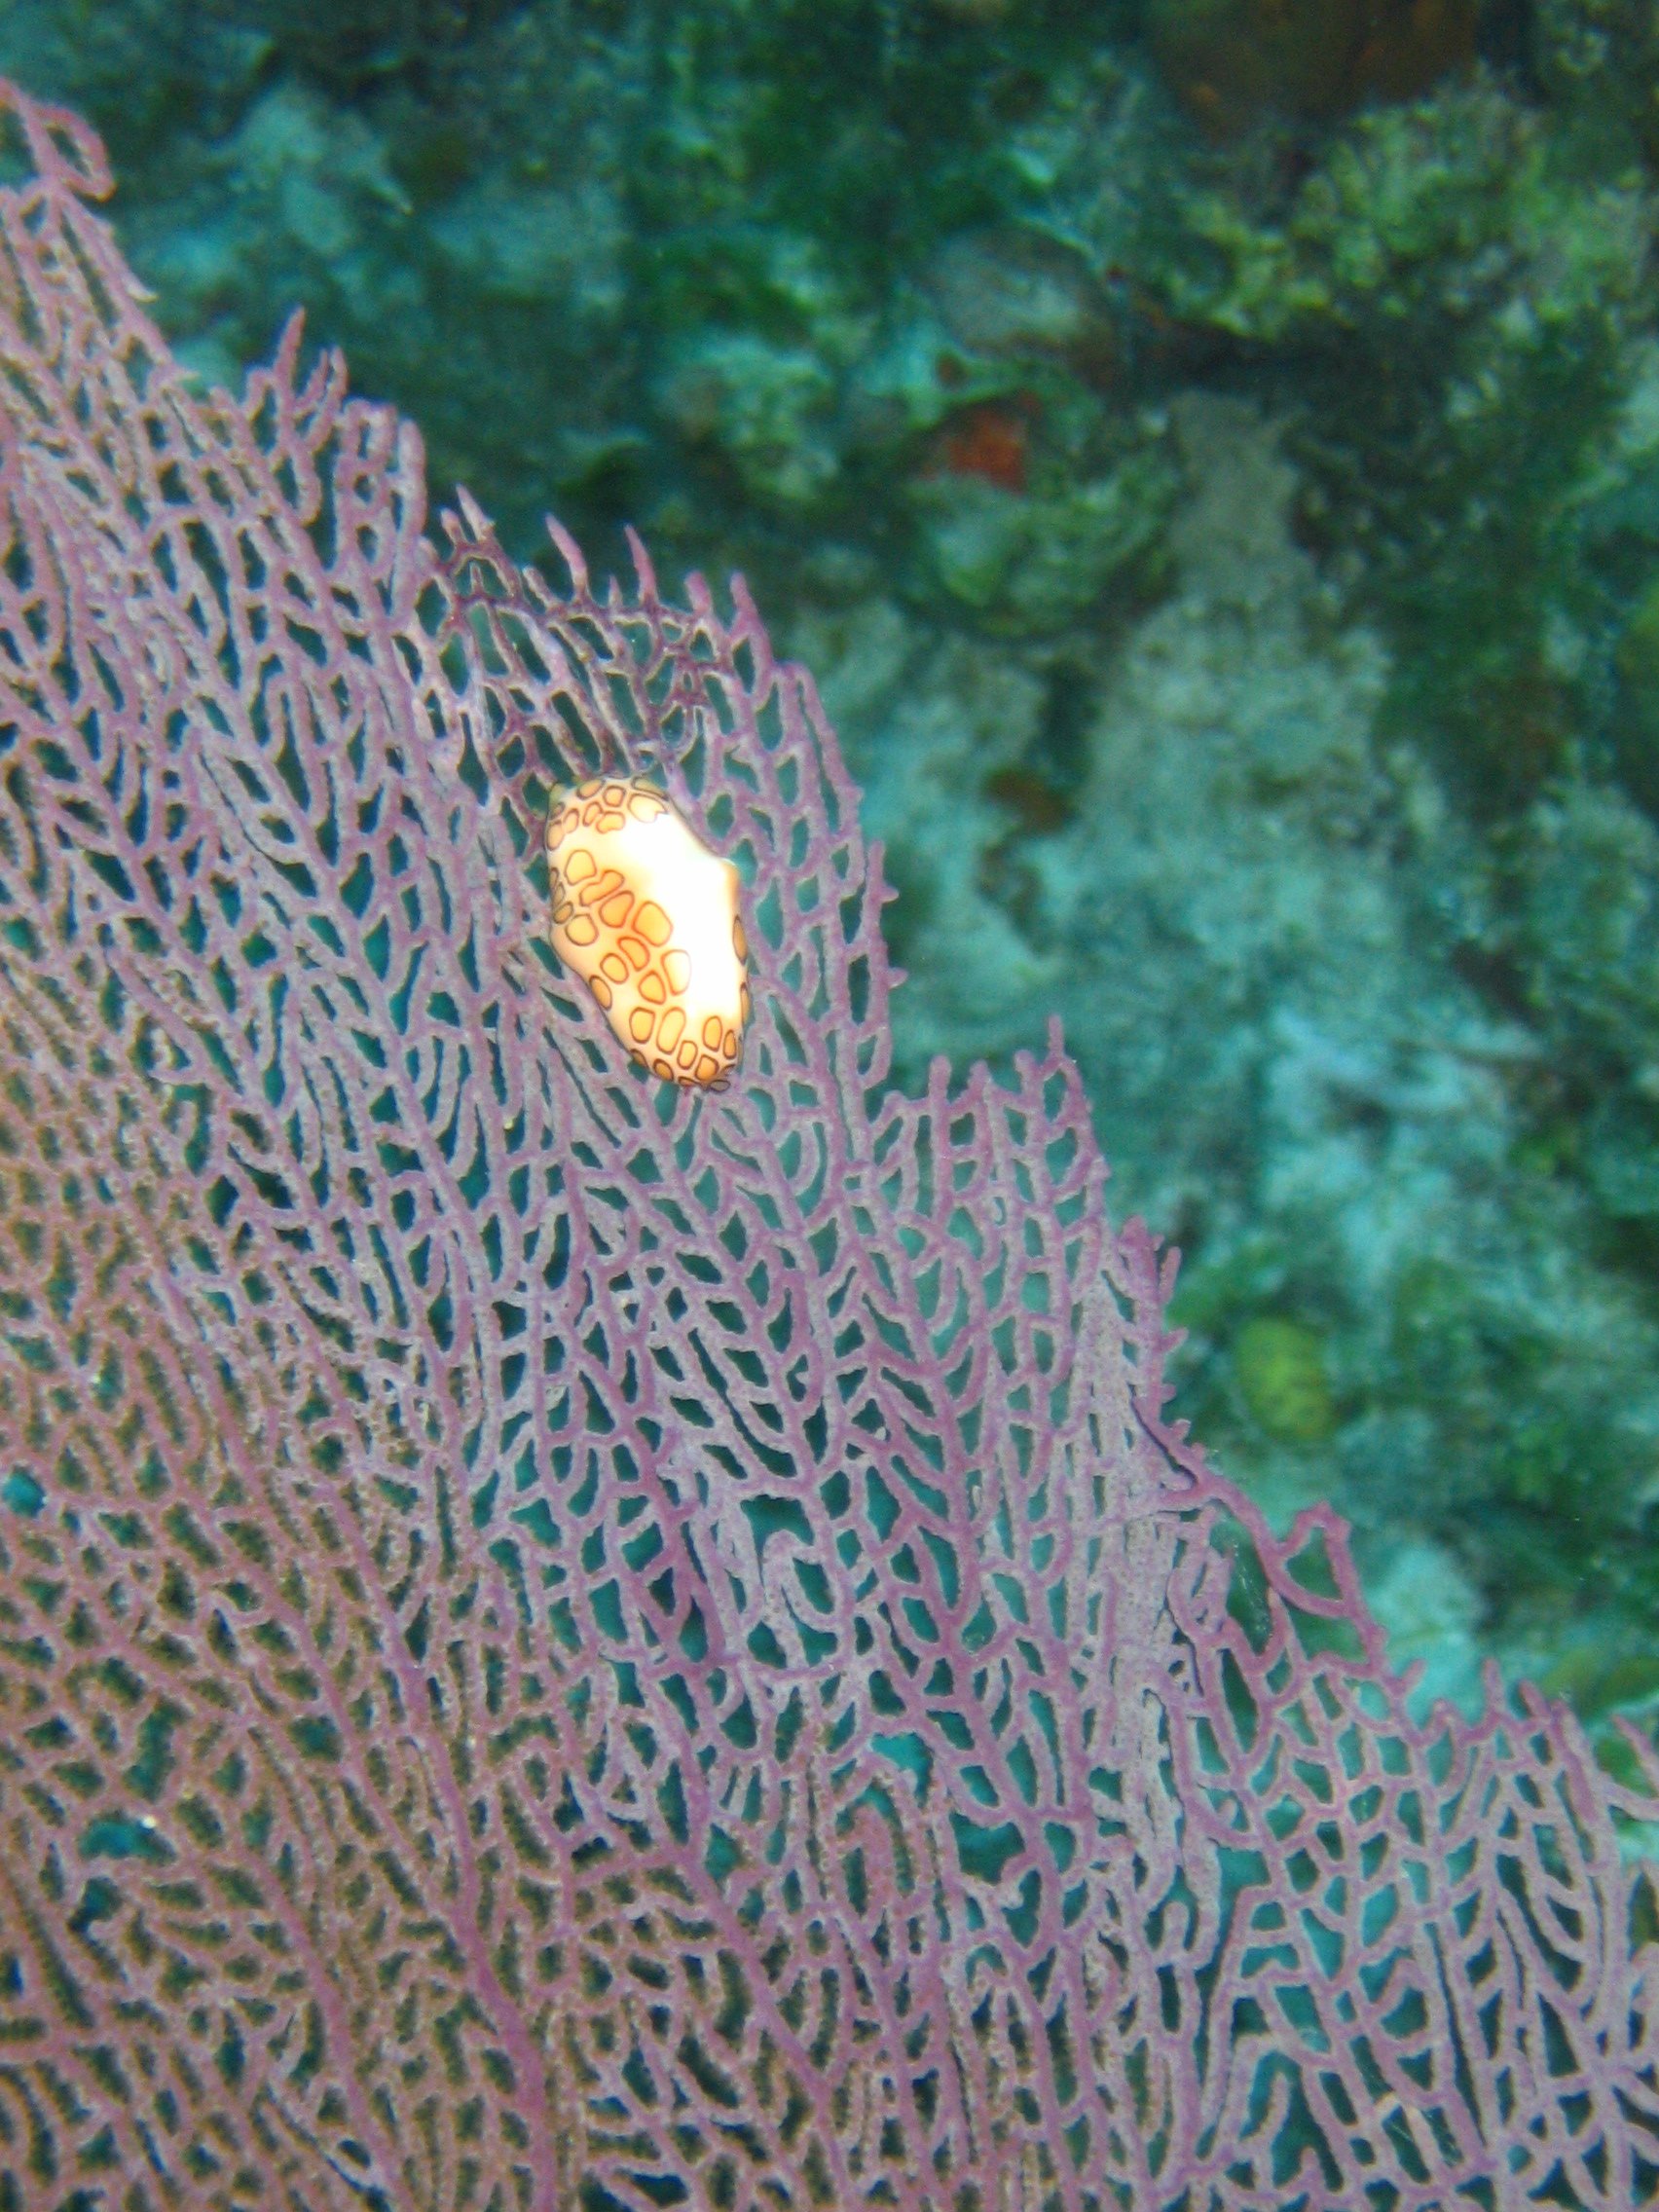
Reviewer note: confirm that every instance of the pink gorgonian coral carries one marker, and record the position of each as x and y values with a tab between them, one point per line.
572	1642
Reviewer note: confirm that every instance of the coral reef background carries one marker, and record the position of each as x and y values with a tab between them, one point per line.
1213	470
569	1643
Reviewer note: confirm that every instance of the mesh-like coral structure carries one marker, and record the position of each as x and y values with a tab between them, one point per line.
567	1643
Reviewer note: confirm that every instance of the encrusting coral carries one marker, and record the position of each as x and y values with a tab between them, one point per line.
569	1641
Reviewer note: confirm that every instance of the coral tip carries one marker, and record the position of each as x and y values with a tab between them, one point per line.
648	917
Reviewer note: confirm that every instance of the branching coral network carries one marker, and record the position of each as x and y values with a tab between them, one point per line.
566	1642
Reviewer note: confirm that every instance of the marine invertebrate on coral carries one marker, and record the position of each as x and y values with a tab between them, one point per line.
648	917
569	1643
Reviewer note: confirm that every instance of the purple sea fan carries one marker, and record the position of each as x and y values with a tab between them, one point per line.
565	1644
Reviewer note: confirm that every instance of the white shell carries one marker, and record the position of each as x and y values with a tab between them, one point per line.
647	916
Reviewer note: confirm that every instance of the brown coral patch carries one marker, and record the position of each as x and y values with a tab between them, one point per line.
992	441
1231	62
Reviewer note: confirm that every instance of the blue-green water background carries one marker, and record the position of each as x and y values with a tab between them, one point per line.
1209	452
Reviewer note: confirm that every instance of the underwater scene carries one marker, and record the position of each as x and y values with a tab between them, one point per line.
829	1105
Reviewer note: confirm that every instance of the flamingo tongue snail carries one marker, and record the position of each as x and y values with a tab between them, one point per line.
648	917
